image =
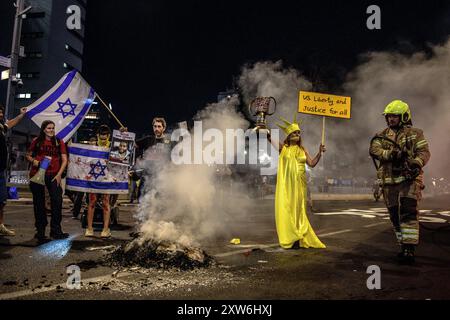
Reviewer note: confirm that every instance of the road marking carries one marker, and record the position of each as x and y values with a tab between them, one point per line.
374	224
273	245
346	213
333	233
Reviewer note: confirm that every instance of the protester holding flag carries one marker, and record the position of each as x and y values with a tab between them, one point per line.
103	140
4	126
66	104
48	145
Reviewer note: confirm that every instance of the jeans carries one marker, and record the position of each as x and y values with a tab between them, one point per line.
40	216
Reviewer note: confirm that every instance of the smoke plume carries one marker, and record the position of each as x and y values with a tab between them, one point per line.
190	203
420	80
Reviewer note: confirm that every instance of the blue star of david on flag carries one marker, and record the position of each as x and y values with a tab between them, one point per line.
97	170
64	104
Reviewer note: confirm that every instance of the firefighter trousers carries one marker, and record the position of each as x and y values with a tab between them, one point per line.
401	201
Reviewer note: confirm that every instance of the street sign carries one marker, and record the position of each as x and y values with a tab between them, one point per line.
22	52
5	62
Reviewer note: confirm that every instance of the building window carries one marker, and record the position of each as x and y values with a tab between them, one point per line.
68	66
92	116
74	51
34	55
76	34
35	15
30	75
32	35
25	95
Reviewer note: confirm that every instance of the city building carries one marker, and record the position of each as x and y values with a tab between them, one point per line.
97	116
50	50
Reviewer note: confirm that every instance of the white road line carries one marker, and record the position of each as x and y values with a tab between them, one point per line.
374	224
333	233
273	245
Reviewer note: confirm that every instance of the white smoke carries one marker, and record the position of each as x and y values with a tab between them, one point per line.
422	81
265	79
190	203
270	79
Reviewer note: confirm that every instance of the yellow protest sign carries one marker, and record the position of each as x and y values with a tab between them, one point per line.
322	104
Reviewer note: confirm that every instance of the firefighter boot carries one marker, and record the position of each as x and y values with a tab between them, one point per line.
407	256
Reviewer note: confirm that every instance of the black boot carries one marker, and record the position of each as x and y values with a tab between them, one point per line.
40	236
59	235
407	256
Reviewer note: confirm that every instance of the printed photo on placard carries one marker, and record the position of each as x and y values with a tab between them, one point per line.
122	148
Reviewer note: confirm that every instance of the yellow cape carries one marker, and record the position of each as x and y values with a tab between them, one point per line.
290	201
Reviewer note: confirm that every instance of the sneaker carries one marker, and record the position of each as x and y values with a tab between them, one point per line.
59	236
4	231
105	233
89	232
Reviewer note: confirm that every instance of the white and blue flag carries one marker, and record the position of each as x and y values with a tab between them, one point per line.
89	171
66	104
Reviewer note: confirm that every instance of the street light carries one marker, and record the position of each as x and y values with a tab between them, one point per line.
13	81
24	12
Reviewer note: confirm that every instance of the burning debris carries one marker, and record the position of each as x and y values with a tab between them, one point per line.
149	253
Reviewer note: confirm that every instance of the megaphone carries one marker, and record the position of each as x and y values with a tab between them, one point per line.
39	177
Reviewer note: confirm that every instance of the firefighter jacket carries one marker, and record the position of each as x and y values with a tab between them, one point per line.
398	152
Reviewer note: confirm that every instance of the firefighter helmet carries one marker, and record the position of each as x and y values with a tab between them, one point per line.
400	108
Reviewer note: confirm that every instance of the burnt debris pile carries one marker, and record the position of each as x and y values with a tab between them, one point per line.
149	253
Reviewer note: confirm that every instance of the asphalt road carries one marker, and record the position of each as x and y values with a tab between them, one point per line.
357	234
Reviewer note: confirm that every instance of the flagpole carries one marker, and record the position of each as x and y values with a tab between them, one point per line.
109	110
323	130
323	140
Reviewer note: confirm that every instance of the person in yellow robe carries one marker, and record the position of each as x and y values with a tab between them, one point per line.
291	219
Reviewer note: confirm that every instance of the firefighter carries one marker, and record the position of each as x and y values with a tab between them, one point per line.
399	153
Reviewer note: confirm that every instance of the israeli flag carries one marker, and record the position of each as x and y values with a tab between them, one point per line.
89	171
66	104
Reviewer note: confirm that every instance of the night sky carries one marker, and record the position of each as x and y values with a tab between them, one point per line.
168	58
